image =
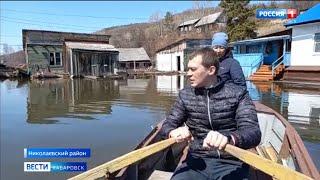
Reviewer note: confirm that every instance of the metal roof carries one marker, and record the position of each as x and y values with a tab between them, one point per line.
310	16
264	39
133	54
208	19
90	46
189	22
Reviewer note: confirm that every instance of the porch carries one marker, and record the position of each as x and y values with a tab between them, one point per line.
263	59
91	59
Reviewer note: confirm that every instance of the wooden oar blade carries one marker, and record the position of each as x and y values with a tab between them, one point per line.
124	161
269	167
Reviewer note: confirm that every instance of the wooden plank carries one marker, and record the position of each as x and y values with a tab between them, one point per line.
275	141
279	128
272	154
124	160
285	148
273	169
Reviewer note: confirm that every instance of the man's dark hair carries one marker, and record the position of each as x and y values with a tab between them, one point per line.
208	57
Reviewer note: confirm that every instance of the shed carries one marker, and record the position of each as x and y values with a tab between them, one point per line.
133	58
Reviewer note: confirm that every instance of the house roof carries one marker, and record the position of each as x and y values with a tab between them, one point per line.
208	19
310	16
62	32
90	46
133	54
264	39
189	22
179	41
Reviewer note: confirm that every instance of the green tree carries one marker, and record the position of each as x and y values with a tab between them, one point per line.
169	21
240	24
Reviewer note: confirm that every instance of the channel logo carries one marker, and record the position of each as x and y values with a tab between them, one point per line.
276	13
37	167
54	166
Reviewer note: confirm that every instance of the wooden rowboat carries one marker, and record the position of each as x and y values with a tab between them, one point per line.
280	143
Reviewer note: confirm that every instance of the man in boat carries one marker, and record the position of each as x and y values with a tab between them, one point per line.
211	113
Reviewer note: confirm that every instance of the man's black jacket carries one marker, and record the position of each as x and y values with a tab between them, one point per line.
231	112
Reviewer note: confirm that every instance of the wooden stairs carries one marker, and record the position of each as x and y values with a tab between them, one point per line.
264	73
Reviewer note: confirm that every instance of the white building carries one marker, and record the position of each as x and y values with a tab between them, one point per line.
174	56
305	46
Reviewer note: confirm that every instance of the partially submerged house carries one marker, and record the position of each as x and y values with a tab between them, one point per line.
292	54
305	52
174	57
264	58
211	22
75	54
133	59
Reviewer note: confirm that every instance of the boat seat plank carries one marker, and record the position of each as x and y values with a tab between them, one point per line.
275	141
272	154
279	129
160	175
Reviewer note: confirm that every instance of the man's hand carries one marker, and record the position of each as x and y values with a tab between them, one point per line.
215	140
180	134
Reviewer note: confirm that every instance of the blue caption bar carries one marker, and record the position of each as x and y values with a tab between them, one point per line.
68	166
271	13
56	153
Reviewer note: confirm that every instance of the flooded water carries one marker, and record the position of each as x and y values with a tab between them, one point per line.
112	116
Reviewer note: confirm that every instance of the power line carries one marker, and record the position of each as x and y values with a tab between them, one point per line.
74	15
29	20
2	44
9	35
55	26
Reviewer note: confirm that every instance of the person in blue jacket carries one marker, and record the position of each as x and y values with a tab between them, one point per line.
230	69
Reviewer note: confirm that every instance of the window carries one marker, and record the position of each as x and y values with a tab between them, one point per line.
317	42
55	59
58	59
288	45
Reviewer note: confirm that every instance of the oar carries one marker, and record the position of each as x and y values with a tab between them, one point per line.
125	160
269	167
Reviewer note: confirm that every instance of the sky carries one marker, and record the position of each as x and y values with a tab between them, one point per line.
77	16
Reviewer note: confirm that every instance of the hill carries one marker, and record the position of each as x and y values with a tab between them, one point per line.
155	34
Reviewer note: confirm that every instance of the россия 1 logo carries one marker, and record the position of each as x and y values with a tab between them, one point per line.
276	13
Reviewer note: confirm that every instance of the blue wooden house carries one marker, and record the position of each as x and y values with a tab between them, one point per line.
263	58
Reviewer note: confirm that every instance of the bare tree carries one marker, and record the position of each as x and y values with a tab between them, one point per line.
7	49
156	18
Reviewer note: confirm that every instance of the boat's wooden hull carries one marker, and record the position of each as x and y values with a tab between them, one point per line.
280	143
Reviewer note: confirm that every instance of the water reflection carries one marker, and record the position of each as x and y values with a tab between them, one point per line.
299	103
83	98
170	84
77	98
50	101
115	115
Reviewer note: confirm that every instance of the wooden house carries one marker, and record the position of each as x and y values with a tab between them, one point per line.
211	22
133	59
75	54
187	25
